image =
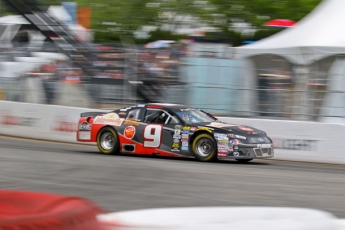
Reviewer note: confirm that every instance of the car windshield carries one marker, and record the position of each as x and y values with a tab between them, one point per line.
194	116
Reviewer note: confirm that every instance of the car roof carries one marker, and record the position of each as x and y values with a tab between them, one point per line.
163	106
167	106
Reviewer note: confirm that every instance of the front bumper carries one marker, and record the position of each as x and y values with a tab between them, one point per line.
248	151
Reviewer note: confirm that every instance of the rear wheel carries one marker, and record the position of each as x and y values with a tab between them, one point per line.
204	147
108	141
243	160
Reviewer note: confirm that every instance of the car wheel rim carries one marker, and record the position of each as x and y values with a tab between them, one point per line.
204	147
107	141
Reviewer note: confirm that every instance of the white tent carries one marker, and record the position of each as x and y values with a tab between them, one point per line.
318	35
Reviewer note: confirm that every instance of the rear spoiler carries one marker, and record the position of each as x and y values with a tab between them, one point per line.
91	114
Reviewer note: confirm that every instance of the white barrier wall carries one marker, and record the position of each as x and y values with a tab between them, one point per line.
301	141
46	122
222	218
293	140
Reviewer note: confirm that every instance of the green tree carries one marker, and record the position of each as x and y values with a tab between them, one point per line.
112	18
257	12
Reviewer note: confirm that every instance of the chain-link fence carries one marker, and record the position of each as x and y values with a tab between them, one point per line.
284	90
264	85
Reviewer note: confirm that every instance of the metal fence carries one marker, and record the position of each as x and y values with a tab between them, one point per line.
312	92
262	86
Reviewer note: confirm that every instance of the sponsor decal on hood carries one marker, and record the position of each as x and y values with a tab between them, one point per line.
247	129
219	125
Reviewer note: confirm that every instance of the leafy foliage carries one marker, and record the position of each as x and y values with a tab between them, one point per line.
257	12
112	18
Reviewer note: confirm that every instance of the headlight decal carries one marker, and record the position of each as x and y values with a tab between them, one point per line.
237	136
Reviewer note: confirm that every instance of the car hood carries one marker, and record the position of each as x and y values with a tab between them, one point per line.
233	128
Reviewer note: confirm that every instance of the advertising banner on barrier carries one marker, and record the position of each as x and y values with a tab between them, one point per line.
301	141
46	122
84	17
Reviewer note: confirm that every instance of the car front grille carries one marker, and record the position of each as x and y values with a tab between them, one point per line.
263	152
259	140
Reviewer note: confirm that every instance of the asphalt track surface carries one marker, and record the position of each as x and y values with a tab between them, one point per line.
120	183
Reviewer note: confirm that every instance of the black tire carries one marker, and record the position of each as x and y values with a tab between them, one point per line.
108	141
204	147
243	160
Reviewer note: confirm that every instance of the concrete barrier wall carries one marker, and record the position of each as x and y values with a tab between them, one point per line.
221	218
45	122
301	141
293	140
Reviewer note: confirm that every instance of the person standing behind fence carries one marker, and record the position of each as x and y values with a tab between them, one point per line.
73	76
2	95
49	82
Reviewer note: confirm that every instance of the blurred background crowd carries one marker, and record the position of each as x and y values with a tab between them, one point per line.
164	51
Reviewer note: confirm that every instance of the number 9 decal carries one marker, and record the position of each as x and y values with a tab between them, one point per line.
153	136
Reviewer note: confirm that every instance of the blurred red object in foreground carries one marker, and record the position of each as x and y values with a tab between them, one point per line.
281	23
34	210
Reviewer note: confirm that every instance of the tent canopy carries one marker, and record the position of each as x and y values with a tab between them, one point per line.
318	35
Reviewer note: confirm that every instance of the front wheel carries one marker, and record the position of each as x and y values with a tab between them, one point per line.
204	147
108	141
243	160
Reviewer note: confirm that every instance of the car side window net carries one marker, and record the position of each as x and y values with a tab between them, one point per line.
160	117
151	115
173	120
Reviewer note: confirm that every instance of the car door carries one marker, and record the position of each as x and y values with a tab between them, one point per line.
154	134
131	131
163	131
142	132
180	134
